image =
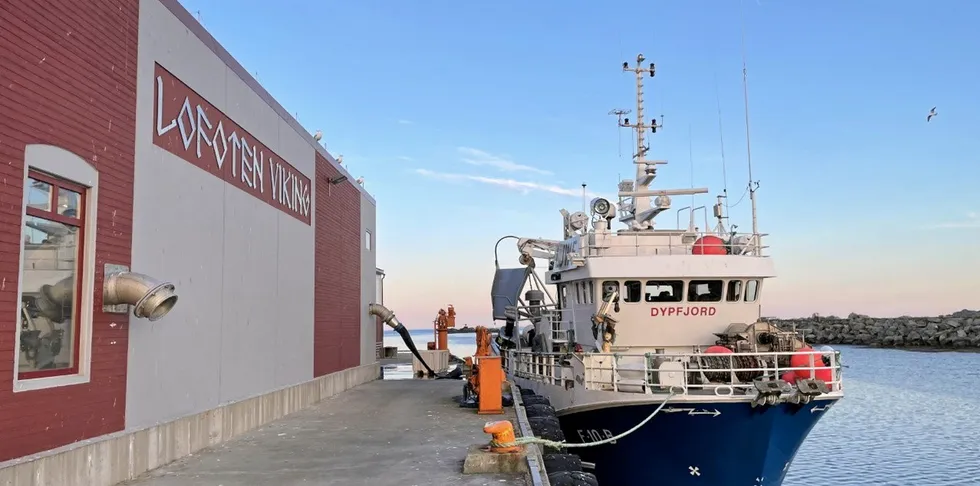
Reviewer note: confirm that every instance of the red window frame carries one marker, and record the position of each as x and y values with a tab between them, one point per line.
77	222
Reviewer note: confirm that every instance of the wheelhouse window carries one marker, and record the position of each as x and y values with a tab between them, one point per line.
704	291
590	295
633	290
52	241
751	290
664	290
734	293
608	287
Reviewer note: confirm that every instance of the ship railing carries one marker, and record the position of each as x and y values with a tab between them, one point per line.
682	243
540	367
547	314
683	373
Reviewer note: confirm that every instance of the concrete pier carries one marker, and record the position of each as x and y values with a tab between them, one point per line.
395	432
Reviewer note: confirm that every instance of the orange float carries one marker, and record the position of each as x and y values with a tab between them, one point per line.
717	350
709	245
802	360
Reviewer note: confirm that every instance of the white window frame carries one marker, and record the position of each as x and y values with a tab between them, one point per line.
65	165
368	240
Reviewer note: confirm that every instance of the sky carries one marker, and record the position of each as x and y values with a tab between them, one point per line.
474	120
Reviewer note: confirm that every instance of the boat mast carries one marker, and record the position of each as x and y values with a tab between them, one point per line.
646	170
753	185
640	214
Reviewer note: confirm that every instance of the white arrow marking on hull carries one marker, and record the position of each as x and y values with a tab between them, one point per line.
693	411
713	413
819	409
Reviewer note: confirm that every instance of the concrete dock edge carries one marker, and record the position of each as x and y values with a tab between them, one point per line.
535	459
124	455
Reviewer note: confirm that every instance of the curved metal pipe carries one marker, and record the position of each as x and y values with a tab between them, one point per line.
150	298
55	301
388	317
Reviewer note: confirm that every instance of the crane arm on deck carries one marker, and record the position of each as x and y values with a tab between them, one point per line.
532	248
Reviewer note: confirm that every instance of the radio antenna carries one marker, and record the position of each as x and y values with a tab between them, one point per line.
721	140
619	133
753	185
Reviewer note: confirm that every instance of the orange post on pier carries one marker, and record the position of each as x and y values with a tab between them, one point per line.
491	376
486	375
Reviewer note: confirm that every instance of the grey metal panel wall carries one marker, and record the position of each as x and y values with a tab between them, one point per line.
243	269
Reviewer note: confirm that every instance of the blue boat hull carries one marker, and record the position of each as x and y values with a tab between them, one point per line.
704	444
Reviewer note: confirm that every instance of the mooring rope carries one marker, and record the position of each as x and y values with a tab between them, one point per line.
566	445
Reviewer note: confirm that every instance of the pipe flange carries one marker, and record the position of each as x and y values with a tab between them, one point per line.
156	303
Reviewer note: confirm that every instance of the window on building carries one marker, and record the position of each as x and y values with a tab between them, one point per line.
367	239
633	289
53	239
704	291
562	295
734	291
751	290
608	287
664	290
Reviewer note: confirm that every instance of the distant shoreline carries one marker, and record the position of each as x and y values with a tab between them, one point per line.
957	331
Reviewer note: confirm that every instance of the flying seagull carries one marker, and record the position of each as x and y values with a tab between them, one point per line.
318	135
932	113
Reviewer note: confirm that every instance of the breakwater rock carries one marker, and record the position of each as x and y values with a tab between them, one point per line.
957	330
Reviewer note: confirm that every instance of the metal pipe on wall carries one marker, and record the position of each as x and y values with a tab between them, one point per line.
150	298
388	317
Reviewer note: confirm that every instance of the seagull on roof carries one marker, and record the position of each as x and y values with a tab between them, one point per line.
931	114
318	135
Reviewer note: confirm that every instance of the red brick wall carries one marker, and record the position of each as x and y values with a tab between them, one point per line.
67	78
337	301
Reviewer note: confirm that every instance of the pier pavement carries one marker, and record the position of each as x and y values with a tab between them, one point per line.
387	432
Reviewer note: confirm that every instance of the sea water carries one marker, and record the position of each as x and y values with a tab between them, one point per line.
908	418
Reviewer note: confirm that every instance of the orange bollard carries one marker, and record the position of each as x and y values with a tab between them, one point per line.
501	432
490	377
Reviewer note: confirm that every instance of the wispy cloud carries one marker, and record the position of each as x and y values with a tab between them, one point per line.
405	158
405	122
972	220
524	187
474	156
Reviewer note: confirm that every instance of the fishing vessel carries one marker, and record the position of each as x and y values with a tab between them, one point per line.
650	343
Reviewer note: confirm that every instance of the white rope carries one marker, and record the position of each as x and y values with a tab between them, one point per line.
565	445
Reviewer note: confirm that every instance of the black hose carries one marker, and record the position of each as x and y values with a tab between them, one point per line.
403	332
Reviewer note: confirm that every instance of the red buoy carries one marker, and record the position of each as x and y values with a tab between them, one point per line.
709	245
789	377
825	374
802	360
717	350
